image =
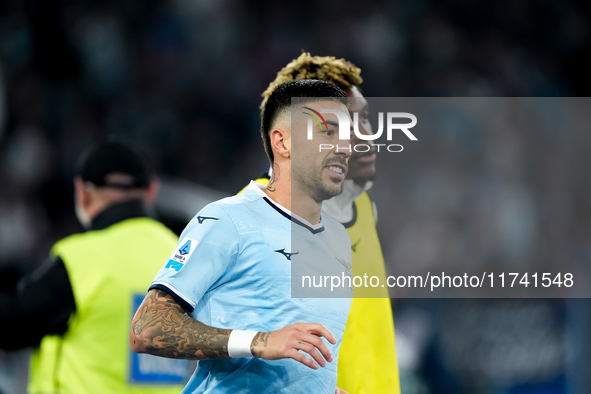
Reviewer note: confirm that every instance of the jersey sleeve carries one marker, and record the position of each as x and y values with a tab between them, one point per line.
205	253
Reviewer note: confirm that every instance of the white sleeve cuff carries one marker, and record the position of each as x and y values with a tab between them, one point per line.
239	343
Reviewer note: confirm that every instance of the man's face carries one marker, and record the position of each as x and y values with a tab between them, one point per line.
320	172
361	164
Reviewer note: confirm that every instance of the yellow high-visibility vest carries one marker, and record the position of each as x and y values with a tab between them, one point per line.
110	271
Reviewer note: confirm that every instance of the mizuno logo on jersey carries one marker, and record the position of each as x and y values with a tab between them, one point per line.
354	246
348	266
202	218
286	254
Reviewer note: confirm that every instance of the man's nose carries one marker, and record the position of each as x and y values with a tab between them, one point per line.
344	148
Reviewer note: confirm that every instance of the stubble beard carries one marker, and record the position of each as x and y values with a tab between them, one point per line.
313	183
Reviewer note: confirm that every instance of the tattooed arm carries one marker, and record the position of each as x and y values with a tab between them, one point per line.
161	327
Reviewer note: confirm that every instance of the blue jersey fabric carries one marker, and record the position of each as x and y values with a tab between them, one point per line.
232	269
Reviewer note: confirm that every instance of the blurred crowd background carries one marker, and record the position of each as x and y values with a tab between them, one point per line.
493	184
183	79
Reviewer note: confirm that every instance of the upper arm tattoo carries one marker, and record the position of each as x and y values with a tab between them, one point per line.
165	329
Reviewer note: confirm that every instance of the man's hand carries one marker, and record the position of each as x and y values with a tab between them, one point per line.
340	391
286	342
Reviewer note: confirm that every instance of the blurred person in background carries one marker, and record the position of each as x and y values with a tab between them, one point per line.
75	309
367	361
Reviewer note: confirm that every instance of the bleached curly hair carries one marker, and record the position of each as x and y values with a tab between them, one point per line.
327	68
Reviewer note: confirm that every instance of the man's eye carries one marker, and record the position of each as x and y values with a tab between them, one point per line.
328	132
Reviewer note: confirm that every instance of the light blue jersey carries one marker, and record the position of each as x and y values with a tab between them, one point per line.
232	269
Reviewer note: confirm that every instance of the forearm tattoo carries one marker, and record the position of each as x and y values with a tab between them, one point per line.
166	331
260	337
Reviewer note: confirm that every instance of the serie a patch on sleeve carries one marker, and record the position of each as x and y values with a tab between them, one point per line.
180	256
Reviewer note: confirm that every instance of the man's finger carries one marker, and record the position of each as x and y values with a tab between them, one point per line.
319	344
320	330
311	350
308	362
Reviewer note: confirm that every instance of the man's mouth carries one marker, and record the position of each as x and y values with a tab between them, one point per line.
337	170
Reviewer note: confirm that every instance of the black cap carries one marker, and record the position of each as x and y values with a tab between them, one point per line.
114	163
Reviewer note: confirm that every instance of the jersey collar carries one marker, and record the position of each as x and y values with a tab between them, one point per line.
313	228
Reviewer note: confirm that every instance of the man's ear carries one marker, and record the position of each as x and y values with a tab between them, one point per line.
83	198
152	191
281	143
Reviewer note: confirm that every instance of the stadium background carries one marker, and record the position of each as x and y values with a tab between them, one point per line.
183	79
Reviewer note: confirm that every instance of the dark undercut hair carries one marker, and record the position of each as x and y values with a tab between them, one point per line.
280	99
